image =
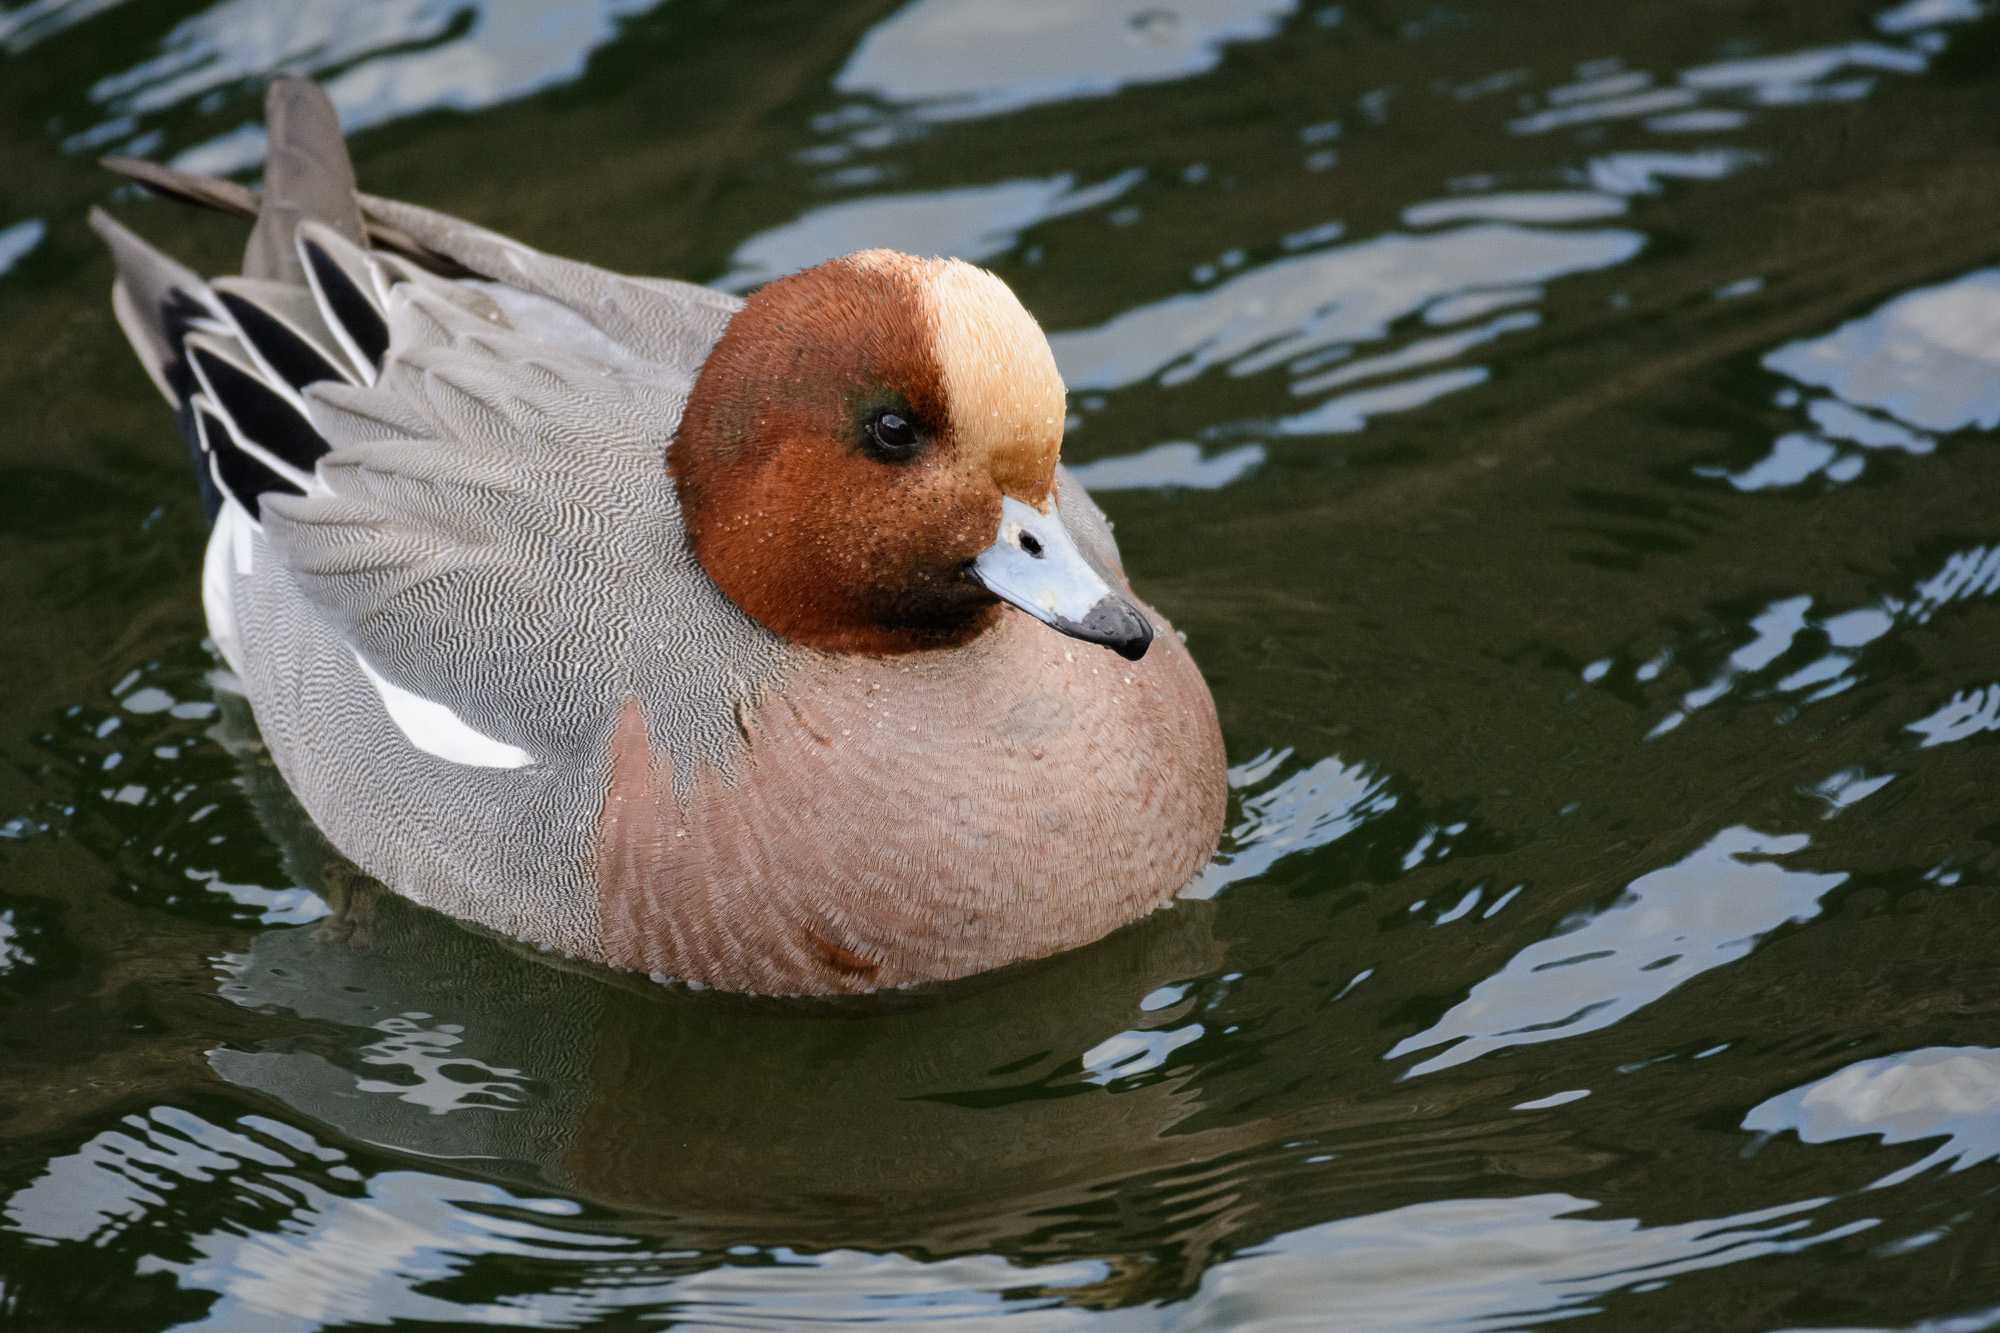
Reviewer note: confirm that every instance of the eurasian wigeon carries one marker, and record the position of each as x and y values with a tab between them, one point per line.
663	629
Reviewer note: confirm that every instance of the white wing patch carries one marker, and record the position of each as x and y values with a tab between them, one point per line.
228	559
436	730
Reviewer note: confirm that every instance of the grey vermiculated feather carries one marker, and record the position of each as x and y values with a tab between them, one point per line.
466	295
656	318
308	177
542	481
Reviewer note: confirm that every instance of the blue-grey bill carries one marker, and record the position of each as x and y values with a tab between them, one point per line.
1034	564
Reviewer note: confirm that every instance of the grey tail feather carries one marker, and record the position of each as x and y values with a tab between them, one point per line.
203	191
308	177
149	282
158	302
225	196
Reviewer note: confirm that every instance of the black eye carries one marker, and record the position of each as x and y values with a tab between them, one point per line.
891	435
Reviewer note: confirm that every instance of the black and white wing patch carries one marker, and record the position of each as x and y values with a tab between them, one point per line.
236	356
350	293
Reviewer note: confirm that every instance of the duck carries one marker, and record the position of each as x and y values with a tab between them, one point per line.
758	644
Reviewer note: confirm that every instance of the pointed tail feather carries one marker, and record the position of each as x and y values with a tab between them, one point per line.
308	177
149	287
158	303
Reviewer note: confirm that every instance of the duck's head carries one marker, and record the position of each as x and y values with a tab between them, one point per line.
867	463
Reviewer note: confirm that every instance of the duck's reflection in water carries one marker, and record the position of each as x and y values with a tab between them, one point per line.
415	1032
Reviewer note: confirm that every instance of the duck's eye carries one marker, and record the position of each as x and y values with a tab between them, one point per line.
891	435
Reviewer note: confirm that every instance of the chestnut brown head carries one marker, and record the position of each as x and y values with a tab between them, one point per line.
867	463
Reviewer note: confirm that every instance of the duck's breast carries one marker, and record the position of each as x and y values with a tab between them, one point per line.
905	819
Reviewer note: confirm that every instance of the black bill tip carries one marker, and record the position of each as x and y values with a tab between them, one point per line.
1115	623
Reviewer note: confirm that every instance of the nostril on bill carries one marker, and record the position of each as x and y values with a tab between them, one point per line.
1031	544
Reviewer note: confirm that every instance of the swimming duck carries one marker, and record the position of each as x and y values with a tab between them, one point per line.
760	644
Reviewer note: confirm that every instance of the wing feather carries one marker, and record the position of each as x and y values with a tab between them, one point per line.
239	473
344	287
260	420
491	516
280	328
662	320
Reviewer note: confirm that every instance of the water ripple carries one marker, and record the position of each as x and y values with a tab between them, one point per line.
1950	1093
1705	911
951	59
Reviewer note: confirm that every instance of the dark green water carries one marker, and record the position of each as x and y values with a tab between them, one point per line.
1566	434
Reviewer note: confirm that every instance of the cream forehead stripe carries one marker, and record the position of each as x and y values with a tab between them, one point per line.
1000	377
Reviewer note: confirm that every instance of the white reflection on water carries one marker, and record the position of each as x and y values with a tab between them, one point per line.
1351	412
1849	787
1175	463
1772	632
378	62
1703	912
1939	1092
850	1288
366	1259
39	19
1929	358
1969	713
1915	14
1718	97
1647	103
428	1079
1309	309
1476	1263
1309	808
1520	206
1791	78
1712	98
1927	361
956	58
1965	576
16	241
12	955
293	1253
1634	173
119	1176
1135	1051
294	905
1794	457
974	223
1416	355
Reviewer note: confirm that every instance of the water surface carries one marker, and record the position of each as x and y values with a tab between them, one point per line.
1566	436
